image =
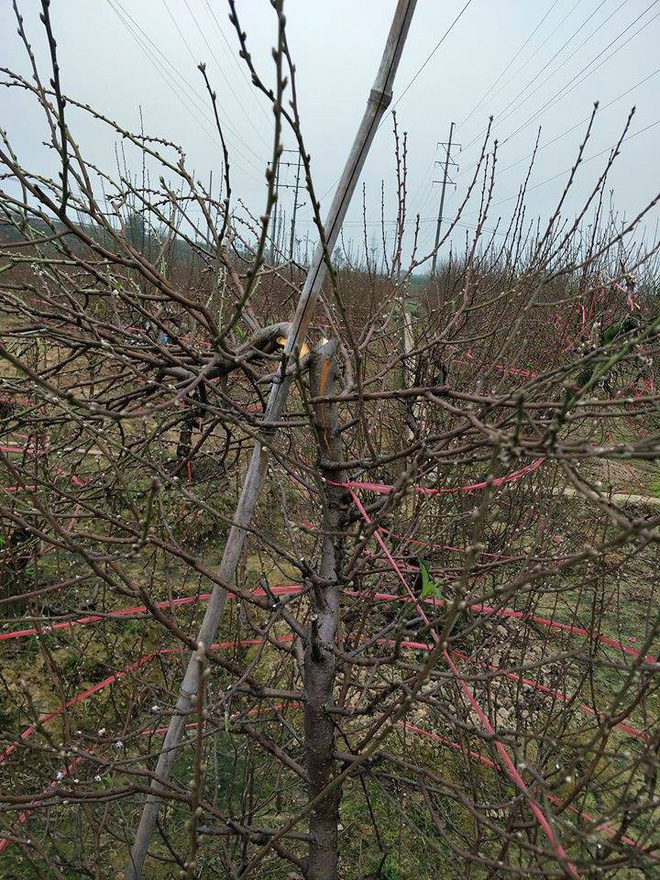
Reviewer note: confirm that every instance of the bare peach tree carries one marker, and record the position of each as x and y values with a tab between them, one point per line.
438	648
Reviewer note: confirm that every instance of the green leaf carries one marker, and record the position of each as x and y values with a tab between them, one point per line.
427	584
429	587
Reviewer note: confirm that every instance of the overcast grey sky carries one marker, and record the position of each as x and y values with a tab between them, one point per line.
540	62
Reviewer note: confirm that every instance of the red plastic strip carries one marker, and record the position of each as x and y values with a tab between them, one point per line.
385	489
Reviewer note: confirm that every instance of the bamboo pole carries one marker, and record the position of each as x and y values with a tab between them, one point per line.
378	101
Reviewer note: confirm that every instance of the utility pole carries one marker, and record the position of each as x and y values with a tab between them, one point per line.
278	220
445	181
296	188
295	209
377	103
273	226
279	238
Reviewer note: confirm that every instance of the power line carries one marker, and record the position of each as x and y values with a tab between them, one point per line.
504	115
230	52
581	122
188	104
409	221
427	221
508	66
561	92
224	76
181	34
153	55
419	206
515	76
588	159
583	162
432	53
558	68
571	84
414	79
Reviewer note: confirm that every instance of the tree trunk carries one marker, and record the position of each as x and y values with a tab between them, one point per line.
320	662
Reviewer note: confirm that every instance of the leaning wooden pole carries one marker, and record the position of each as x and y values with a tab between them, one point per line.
379	99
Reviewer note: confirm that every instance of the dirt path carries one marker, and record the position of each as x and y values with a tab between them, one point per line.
621	498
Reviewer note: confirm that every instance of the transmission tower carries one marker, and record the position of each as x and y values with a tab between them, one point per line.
445	180
296	189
